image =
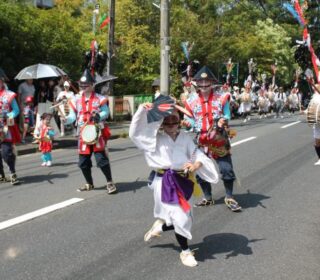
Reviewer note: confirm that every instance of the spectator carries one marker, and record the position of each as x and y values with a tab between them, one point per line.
50	89
28	113
42	93
65	97
25	89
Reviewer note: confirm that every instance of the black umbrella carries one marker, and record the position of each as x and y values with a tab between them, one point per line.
40	71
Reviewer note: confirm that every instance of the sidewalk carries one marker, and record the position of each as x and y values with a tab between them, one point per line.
117	130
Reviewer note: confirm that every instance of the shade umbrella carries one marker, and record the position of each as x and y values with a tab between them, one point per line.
40	71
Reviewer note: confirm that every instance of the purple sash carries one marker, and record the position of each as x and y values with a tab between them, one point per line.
172	182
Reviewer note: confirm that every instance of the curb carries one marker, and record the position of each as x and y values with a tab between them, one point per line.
57	144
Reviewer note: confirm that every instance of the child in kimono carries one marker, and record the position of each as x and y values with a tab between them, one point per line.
174	157
45	135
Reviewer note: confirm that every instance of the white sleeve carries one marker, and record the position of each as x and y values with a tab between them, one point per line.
142	133
208	170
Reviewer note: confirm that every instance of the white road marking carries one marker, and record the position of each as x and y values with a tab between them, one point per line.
243	141
38	213
290	124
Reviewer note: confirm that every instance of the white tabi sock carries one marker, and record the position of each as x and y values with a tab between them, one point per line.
186	251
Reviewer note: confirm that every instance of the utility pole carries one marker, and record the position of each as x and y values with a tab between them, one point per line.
111	41
165	47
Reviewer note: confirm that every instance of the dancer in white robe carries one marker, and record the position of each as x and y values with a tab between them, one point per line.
293	101
175	151
246	104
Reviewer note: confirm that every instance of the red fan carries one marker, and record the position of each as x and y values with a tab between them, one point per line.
161	107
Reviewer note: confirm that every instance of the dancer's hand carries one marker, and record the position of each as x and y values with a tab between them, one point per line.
185	123
191	167
147	105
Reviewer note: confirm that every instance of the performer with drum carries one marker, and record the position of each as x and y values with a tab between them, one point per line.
211	113
90	110
9	131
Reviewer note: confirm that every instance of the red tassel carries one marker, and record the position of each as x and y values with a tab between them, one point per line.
183	202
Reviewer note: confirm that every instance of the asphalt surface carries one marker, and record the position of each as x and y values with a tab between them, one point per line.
276	236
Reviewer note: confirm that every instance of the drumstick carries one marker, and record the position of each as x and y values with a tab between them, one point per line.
59	109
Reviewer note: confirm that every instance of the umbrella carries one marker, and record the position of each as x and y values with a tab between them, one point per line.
40	71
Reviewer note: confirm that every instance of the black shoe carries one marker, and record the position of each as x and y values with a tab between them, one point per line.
204	202
14	179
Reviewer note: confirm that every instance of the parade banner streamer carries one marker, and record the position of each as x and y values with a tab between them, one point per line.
104	21
300	12
184	46
297	12
293	12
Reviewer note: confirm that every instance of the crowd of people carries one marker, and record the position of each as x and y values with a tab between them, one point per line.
35	98
259	100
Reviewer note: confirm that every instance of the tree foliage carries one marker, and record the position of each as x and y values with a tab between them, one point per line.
219	29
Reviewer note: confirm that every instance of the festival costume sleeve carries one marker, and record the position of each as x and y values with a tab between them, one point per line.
104	113
226	111
207	171
15	109
51	133
142	133
187	118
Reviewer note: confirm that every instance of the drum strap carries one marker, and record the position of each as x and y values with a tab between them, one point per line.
86	113
206	110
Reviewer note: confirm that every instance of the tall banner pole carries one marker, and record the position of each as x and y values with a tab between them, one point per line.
165	47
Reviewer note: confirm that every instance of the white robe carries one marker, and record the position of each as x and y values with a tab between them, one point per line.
245	107
263	104
161	152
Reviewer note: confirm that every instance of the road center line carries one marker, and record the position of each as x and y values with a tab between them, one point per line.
290	124
38	213
243	141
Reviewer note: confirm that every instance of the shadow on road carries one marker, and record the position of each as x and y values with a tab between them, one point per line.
230	244
42	178
121	149
127	186
247	200
65	163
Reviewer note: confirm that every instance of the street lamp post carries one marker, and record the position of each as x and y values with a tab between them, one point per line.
165	48
110	40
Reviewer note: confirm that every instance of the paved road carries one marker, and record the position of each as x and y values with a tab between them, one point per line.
101	236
